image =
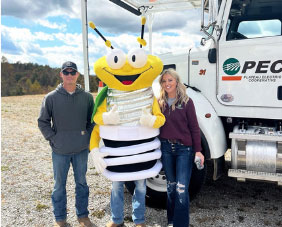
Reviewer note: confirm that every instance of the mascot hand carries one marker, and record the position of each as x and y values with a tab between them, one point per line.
147	119
97	160
111	117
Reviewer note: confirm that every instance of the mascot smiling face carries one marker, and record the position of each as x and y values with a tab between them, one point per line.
135	71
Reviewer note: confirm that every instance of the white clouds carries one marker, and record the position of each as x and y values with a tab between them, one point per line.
48	24
25	45
59	54
162	43
112	18
104	13
69	39
8	47
23	38
72	46
116	20
30	9
29	44
41	36
17	34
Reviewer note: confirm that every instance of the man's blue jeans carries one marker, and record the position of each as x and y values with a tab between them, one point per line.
61	165
177	162
138	202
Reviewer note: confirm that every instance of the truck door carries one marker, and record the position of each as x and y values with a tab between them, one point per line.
250	55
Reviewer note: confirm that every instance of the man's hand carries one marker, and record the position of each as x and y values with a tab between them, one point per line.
111	117
97	160
147	119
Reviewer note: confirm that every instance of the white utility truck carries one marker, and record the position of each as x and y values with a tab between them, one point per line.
235	80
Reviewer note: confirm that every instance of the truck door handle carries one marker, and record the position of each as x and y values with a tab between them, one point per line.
279	93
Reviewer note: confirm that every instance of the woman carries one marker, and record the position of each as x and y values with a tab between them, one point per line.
180	142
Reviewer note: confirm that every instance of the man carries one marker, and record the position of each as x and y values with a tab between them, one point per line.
65	121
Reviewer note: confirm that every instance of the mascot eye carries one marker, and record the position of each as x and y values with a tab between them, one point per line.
116	59
137	58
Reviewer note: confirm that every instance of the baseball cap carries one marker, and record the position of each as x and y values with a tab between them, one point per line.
69	65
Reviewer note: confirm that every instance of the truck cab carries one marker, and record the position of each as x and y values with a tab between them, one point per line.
236	77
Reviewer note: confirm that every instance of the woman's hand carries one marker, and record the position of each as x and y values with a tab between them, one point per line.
201	156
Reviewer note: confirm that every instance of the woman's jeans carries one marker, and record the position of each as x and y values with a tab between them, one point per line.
61	165
138	202
177	162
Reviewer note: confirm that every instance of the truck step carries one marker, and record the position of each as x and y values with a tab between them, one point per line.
258	137
242	175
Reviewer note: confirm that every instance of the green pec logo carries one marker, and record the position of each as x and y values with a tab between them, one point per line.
231	66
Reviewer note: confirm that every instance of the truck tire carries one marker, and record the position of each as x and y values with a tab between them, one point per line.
198	177
156	187
155	198
197	180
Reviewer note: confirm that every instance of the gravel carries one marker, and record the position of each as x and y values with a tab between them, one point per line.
27	182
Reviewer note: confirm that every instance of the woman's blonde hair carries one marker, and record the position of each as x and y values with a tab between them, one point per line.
181	95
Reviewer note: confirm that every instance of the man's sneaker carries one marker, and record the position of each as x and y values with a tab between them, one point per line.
85	222
60	223
141	225
112	224
170	225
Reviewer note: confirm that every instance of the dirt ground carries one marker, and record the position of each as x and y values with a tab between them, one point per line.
27	181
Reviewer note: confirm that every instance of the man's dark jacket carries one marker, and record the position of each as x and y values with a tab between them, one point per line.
65	120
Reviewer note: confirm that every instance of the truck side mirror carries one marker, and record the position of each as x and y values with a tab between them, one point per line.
212	55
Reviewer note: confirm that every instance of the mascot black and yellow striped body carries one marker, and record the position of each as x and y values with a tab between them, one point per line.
133	149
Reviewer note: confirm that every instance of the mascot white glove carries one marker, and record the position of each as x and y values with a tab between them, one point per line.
147	119
111	117
97	160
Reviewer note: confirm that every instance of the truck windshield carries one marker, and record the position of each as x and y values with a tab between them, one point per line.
254	19
260	28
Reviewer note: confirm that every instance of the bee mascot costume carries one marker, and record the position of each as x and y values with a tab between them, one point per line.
127	114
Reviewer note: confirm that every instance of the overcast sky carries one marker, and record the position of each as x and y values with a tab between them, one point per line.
49	32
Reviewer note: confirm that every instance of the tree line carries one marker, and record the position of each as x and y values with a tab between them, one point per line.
29	79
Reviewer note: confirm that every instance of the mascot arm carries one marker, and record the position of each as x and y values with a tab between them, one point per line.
96	156
95	138
98	117
102	117
160	118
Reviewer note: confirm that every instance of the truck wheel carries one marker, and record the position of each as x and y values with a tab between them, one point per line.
198	177
156	187
197	180
156	190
